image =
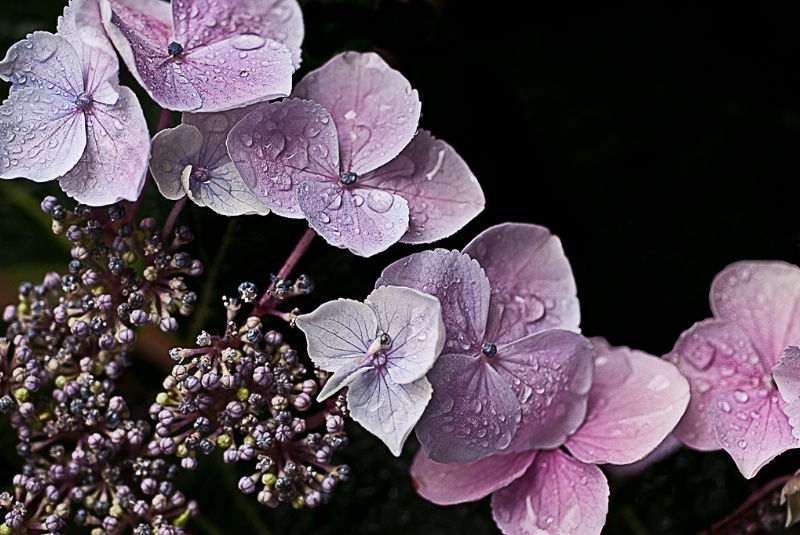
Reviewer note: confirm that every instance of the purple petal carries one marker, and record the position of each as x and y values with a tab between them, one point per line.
532	284
337	332
442	193
375	110
44	135
447	484
460	285
114	164
558	495
752	426
764	299
413	320
551	374
223	191
473	412
281	145
173	150
215	128
787	377
387	410
715	356
366	222
46	62
345	375
636	400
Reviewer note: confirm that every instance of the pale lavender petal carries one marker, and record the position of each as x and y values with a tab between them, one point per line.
345	375
223	191
375	110
337	332
386	410
473	412
558	495
238	71
551	374
150	19
173	150
764	299
366	222
215	128
442	193
636	400
447	484
413	320
43	135
460	285
715	356
532	284
752	427
46	62
114	165
787	377
281	145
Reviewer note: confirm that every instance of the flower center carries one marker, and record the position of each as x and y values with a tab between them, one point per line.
488	349
201	174
174	48
348	178
83	100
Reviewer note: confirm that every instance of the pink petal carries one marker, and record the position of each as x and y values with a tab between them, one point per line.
414	322
387	410
551	374
337	332
752	427
715	356
558	495
442	193
473	412
787	377
636	400
764	299
44	135
375	110
46	62
460	285
279	146
532	284
447	484
366	222
114	164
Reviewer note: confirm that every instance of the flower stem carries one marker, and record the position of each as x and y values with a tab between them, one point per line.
173	216
299	250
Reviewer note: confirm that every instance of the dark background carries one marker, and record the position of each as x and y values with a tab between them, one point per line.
659	144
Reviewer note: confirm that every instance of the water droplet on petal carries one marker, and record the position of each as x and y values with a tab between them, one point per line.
741	396
380	201
248	41
724	405
246	140
701	355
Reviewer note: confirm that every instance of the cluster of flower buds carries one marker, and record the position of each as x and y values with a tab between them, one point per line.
249	394
68	340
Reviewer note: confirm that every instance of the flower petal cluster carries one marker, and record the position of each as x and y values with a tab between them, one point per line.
207	56
381	350
731	359
68	118
345	155
523	406
192	160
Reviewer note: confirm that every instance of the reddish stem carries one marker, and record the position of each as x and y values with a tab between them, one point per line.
263	305
173	216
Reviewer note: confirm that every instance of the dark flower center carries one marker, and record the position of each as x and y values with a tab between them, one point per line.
174	48
201	174
83	100
383	338
348	178
489	350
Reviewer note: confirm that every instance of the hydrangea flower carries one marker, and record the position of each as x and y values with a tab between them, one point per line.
67	117
636	399
730	361
344	155
513	374
206	56
381	350
191	159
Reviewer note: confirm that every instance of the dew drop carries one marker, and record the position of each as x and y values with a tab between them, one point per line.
380	201
248	41
246	139
741	396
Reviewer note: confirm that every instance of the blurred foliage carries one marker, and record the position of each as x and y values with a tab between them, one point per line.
660	144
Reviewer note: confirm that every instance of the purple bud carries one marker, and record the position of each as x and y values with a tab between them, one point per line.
273	338
310	387
117	404
154	409
283	433
118	436
95	441
196	269
60	314
166	416
246	452
179	372
56	473
167	445
313	499
126	336
246	485
26	409
23	354
235	409
90	278
138	317
19	480
32	383
189	463
54	523
107	342
141	508
265	497
76	494
298	425
210	381
135	437
160	503
230	456
86	364
149	485
113	369
34	485
228	382
80	329
334	424
105	302
14	520
324	454
51	492
48	203
302	402
51	280
74	233
203	401
148	223
192	384
9	313
329	484
110	524
168	325
162	430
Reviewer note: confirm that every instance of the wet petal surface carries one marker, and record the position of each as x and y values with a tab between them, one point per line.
787	377
337	332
